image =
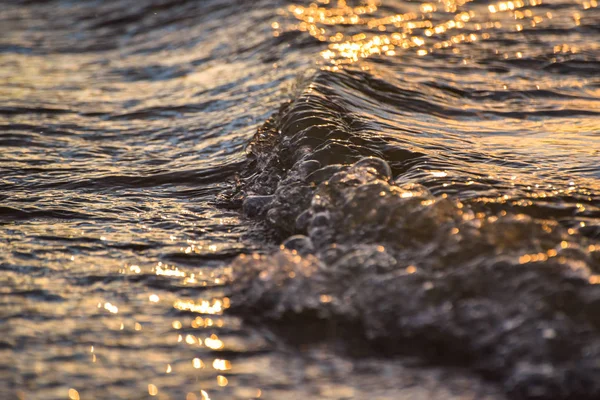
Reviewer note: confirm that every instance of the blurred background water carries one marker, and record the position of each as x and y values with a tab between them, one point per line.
121	121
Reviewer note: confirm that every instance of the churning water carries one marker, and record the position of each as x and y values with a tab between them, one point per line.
257	199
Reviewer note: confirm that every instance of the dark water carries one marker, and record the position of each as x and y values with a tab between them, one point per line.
253	199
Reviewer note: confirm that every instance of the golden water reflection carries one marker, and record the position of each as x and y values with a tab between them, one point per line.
197	332
425	28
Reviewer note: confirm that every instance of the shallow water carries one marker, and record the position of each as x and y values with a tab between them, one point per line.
461	261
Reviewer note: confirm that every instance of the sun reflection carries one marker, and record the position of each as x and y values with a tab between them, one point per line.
206	322
197	363
111	308
204	395
161	270
200	277
152	390
135	269
191	339
222	381
221	365
73	394
325	298
213	342
423	28
216	306
210	311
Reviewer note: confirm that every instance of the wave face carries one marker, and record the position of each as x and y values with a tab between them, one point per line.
418	252
345	199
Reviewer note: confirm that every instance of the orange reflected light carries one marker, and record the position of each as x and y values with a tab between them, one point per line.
221	365
216	306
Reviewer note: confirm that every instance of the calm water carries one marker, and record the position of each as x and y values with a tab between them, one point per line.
259	199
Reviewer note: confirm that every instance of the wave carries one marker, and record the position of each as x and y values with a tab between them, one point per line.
368	243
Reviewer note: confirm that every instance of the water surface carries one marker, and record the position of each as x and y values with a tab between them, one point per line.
150	151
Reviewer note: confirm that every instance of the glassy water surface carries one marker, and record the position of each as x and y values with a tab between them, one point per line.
430	169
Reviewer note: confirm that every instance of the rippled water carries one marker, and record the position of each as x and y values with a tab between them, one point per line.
234	199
